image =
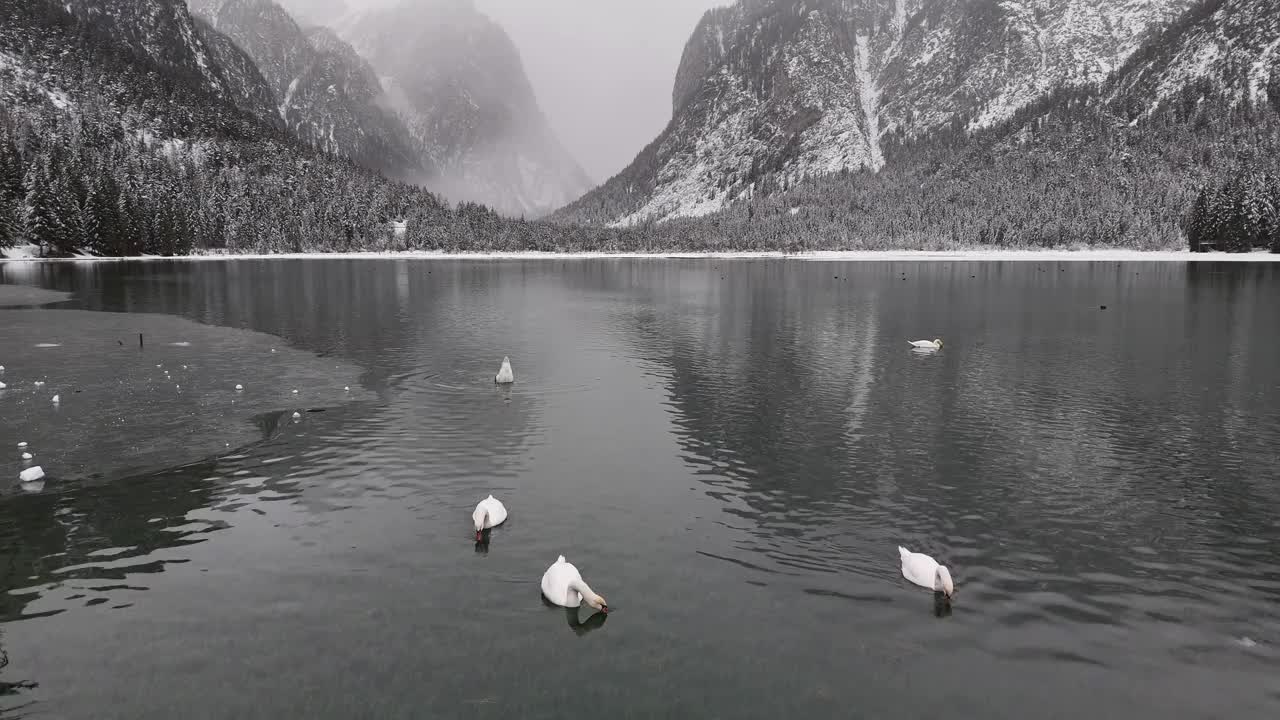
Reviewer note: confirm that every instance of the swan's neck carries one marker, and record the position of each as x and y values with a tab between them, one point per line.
583	589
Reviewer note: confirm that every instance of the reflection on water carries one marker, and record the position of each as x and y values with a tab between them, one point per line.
732	451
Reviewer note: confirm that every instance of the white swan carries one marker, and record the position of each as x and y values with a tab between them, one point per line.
489	513
564	586
926	344
505	375
926	572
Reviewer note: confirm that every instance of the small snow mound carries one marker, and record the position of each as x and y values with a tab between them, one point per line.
31	474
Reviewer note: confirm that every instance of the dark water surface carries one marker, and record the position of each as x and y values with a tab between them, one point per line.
730	451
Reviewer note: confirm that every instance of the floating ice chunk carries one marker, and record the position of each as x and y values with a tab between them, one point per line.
347	389
184	367
273	349
3	386
26	456
1247	642
160	365
48	345
31	474
297	416
239	387
22	444
39	383
1	368
181	344
295	392
57	399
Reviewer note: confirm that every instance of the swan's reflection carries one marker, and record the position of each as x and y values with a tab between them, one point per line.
579	627
941	605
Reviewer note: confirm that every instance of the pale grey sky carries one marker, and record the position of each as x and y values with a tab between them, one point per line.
602	69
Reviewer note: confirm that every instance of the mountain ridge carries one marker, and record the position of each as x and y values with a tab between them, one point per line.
800	88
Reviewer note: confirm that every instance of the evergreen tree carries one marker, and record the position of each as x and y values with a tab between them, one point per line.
43	225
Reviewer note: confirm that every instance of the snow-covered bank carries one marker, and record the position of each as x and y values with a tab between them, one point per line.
1100	255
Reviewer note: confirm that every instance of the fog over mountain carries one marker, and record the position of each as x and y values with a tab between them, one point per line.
601	69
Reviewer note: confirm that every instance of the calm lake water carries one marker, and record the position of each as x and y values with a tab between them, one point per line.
730	451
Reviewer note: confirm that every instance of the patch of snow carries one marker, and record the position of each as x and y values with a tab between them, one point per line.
1260	73
21	252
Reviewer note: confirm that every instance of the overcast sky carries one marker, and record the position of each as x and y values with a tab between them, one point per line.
602	69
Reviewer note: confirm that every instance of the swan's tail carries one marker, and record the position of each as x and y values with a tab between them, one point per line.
560	559
903	552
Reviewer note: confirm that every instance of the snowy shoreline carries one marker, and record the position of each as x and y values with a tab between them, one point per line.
1089	255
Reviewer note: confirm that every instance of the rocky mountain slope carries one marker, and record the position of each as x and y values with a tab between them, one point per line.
458	83
1187	128
801	88
125	130
325	94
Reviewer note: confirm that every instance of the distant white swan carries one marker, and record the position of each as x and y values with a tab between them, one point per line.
926	572
563	585
505	375
926	344
489	513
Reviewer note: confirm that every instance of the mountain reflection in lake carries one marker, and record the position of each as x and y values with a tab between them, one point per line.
730	451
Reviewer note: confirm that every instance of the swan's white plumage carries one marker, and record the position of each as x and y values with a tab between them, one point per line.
489	513
563	585
926	344
923	571
505	375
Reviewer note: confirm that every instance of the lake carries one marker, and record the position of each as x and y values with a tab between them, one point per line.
729	450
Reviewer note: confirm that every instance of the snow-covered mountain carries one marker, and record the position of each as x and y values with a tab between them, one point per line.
800	88
457	81
325	94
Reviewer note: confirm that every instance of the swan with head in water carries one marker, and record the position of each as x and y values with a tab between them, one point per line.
926	344
505	375
926	572
563	585
489	513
